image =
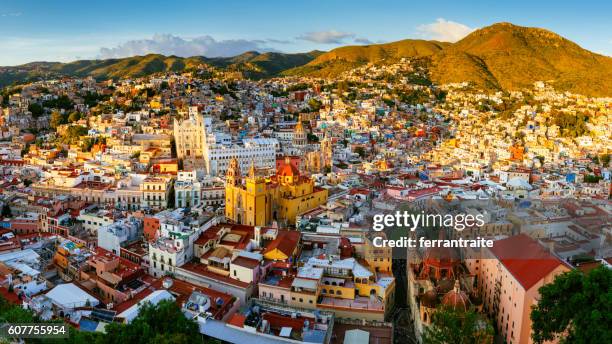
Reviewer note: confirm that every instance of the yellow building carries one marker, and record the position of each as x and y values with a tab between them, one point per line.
299	134
258	201
156	191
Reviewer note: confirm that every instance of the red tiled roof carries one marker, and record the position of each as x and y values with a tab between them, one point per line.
525	259
286	242
10	297
120	308
278	321
237	320
359	191
207	235
201	269
246	262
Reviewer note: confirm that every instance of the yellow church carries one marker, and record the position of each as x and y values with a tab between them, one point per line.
258	202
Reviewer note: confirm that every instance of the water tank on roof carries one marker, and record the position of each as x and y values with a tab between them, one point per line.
167	283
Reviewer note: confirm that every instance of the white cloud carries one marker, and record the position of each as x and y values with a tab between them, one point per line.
444	30
326	37
278	41
10	14
167	44
363	40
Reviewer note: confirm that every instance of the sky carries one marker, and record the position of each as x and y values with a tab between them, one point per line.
67	30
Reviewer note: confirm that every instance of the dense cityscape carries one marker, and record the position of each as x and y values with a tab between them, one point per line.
247	206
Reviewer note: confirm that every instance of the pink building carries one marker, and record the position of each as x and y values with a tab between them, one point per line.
509	275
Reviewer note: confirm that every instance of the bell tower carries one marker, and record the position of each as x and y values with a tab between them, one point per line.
232	177
299	134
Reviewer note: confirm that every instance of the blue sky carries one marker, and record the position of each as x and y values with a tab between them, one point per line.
55	30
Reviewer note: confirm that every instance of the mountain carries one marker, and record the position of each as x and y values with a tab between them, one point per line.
101	69
265	65
341	59
507	56
500	56
252	64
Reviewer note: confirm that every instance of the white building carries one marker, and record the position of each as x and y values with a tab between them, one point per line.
112	236
174	247
189	136
187	190
195	140
93	218
261	152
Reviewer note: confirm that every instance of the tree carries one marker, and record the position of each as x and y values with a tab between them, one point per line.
10	313
360	151
593	179
314	105
36	109
57	119
87	144
6	210
73	117
74	132
456	326
161	323
62	102
312	138
575	308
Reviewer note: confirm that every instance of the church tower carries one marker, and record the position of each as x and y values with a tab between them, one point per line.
233	193
257	201
233	176
299	134
326	151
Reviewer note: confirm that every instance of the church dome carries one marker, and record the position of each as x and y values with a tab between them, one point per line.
288	169
457	299
429	299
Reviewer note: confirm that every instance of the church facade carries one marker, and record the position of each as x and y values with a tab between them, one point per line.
257	201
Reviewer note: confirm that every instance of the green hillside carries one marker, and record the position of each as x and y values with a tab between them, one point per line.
341	59
255	65
251	64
